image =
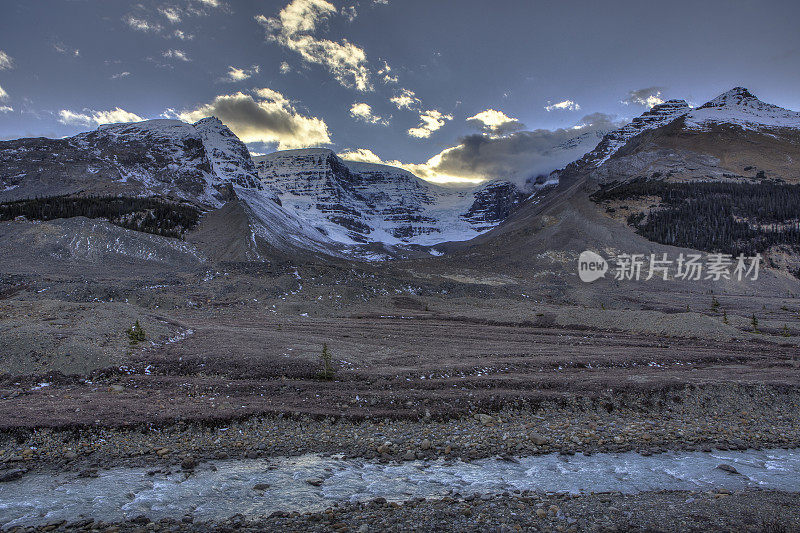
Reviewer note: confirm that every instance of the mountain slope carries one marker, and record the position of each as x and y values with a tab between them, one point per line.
357	203
191	162
733	139
735	135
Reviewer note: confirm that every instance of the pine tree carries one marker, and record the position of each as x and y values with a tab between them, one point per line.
136	333
327	367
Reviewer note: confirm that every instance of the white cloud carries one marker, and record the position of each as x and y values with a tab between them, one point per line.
649	97
293	30
120	75
363	112
285	68
429	121
149	18
140	24
6	109
172	14
362	155
3	94
563	105
176	54
350	13
380	2
240	74
386	74
62	49
180	34
90	117
494	122
269	118
407	99
5	61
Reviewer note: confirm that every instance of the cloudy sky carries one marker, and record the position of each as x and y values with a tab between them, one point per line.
450	89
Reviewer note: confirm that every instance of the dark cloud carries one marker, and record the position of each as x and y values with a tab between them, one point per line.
647	97
522	154
270	118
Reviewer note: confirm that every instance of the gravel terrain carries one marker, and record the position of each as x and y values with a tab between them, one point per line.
750	511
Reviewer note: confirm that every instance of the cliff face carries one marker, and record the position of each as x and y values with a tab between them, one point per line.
192	162
362	202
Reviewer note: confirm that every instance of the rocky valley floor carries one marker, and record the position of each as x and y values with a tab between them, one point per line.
713	511
427	368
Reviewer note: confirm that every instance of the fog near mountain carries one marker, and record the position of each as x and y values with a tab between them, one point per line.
522	155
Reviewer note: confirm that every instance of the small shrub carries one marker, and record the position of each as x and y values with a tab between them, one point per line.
327	367
136	333
754	322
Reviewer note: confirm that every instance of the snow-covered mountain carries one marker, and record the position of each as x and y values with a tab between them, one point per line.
298	200
681	142
741	108
659	115
733	136
356	203
192	162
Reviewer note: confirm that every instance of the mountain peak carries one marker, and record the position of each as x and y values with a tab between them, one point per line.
209	121
740	107
736	96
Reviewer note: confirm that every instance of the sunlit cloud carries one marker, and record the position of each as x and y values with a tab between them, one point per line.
385	72
3	94
350	13
567	105
180	34
140	24
363	112
120	75
517	156
293	29
6	109
240	74
89	118
429	122
649	97
172	14
176	54
285	68
426	171
494	122
269	117
406	99
5	61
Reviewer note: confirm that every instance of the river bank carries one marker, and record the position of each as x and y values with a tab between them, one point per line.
306	487
729	418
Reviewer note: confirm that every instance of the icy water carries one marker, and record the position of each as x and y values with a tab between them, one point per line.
120	493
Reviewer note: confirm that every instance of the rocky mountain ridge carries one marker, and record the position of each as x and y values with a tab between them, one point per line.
356	203
190	162
734	135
